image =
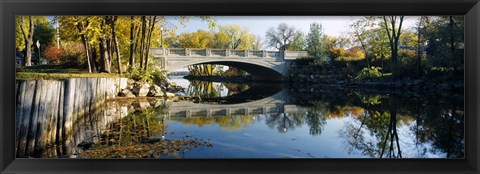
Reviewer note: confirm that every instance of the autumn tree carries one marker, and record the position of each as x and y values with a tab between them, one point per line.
236	36
27	33
53	53
361	29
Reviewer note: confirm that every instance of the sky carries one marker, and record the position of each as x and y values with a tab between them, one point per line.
258	25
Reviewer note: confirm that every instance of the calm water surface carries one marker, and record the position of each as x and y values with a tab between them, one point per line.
231	120
345	125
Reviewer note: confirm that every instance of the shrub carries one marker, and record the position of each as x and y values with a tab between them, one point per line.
370	73
336	52
52	53
138	74
155	76
158	76
74	55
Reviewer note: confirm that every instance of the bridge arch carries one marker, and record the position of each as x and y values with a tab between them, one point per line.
259	71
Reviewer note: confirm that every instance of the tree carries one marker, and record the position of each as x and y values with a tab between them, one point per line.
87	28
237	37
133	39
446	43
257	44
280	37
315	37
361	32
52	53
44	32
393	26
27	33
115	41
298	42
379	45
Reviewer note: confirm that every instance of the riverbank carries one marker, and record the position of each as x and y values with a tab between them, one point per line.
338	75
430	86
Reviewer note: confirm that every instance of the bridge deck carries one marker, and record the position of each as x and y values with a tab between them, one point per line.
208	53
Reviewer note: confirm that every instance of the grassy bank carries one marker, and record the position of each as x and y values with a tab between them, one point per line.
53	72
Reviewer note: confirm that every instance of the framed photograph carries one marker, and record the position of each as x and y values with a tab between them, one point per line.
239	86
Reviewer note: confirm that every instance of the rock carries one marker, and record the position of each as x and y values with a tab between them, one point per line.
156	102
173	84
141	90
155	91
170	95
141	105
130	81
125	93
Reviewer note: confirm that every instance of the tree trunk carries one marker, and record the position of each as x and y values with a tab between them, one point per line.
86	45
28	40
93	55
452	37
419	51
149	40
142	41
132	42
117	47
394	37
104	59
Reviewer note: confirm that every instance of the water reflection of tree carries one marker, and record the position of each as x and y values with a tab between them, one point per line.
230	123
445	126
204	89
235	88
135	128
375	132
283	122
313	118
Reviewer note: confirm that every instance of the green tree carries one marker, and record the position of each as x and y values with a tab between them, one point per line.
315	38
393	26
27	30
298	42
446	43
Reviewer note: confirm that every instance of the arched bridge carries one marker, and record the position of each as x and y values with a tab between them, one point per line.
262	65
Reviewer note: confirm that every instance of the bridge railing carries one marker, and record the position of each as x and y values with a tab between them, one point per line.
206	52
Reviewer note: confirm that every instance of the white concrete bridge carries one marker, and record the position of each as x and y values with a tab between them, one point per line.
262	65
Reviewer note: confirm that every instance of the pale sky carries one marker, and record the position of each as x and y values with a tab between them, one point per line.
258	25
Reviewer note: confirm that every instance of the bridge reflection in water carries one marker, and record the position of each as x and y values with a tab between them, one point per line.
269	105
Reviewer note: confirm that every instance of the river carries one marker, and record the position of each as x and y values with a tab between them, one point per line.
254	120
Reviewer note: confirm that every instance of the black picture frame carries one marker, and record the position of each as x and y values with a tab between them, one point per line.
10	8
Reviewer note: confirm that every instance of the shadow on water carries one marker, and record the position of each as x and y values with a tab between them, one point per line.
210	92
